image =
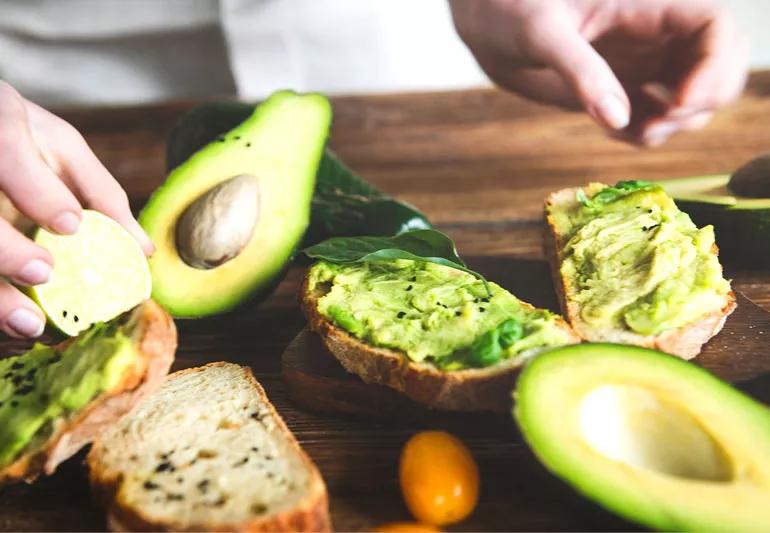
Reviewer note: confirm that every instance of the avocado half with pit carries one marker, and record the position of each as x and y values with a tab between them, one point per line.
229	218
737	205
649	436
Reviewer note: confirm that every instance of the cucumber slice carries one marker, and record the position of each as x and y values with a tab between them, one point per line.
99	273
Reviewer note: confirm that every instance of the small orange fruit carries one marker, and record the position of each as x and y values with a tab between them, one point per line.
439	478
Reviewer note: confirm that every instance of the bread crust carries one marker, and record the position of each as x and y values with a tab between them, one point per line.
685	341
154	336
476	389
312	515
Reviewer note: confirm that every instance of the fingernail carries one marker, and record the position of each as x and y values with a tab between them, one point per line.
613	112
26	323
657	134
34	272
66	223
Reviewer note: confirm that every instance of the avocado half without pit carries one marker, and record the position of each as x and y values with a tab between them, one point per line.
649	436
227	221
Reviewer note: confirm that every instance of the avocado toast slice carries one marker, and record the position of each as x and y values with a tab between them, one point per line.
629	267
431	332
56	399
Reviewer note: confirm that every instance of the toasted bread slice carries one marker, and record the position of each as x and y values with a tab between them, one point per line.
685	341
474	389
207	452
153	335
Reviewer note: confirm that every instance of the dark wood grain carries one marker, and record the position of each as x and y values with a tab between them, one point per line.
479	163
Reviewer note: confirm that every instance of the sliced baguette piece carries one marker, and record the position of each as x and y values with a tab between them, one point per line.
685	341
475	389
207	452
153	334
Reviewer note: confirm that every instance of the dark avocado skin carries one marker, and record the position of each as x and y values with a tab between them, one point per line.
343	203
742	235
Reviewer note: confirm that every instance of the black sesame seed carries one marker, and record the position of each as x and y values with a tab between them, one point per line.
174	497
165	467
413	278
241	462
64	314
259	508
256	415
23	391
254	449
237	137
248	145
476	300
268	457
409	288
481	309
17	365
401	314
203	485
458	313
14	403
485	300
149	485
75	318
17	380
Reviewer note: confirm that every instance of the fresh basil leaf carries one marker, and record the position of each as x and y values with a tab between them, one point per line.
486	350
510	331
613	192
418	245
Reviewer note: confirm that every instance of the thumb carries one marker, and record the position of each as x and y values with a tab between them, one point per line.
587	74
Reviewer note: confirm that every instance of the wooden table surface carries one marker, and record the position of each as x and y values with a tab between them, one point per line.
479	163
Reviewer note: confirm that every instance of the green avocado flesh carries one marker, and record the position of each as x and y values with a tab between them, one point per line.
280	145
44	386
637	262
432	313
742	225
649	436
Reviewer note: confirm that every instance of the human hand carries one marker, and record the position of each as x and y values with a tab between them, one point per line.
49	174
643	69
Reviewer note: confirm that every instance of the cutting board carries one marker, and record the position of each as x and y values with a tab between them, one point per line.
317	382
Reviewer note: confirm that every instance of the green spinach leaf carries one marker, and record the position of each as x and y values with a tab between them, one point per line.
613	192
418	245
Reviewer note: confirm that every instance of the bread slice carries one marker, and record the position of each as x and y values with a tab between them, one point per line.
474	389
153	334
685	341
207	452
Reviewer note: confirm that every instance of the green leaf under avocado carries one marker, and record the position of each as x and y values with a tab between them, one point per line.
345	205
612	193
419	245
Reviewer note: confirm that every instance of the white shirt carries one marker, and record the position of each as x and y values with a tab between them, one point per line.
128	51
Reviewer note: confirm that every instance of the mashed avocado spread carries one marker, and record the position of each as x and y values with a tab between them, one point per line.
432	313
41	387
638	262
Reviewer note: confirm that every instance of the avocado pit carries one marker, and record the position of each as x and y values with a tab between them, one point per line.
638	427
219	224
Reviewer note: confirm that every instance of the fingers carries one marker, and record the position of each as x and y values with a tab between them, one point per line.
29	183
556	41
86	175
22	260
19	316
